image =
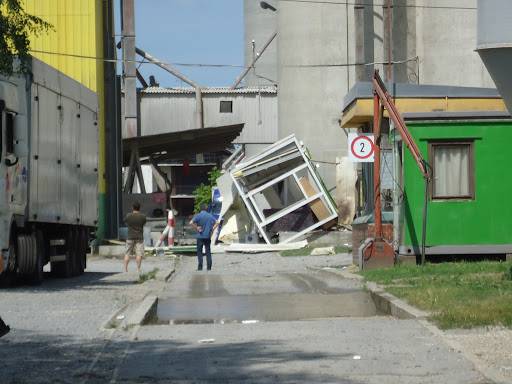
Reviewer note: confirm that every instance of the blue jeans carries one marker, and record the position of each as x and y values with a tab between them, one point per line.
206	243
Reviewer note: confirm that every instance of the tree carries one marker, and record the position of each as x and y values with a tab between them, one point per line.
203	193
16	26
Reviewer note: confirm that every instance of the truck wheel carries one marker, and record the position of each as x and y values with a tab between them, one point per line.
27	254
37	276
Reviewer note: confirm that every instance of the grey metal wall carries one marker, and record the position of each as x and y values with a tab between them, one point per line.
495	43
64	145
162	111
260	24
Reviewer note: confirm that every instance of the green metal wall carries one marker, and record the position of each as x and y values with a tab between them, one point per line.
485	220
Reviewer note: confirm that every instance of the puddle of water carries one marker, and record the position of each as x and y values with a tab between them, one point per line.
268	307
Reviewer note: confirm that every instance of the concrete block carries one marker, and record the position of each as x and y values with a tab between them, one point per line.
144	312
323	251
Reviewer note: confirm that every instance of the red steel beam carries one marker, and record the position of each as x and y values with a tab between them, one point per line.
385	98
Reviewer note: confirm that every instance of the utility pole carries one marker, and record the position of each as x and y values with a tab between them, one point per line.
129	68
389	15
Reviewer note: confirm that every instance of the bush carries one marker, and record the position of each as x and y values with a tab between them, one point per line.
203	193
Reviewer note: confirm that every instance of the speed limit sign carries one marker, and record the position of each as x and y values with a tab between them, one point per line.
361	148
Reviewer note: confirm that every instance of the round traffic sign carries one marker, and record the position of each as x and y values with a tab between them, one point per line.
362	147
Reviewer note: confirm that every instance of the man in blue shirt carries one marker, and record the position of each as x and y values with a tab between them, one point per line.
204	223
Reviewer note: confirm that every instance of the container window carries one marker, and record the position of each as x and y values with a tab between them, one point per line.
452	170
226	106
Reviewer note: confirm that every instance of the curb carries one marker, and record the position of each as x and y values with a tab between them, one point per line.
385	302
165	275
392	305
144	312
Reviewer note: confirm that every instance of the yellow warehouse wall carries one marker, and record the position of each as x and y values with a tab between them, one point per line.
77	31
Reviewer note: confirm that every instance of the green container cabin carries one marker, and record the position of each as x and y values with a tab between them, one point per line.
469	200
465	134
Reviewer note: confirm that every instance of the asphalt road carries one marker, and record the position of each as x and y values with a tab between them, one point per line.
279	341
300	325
57	333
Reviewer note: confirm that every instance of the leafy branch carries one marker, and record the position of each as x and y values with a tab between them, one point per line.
203	193
16	27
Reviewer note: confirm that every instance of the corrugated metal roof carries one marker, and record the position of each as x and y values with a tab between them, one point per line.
173	145
211	90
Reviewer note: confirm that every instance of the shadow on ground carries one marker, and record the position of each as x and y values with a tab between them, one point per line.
93	280
29	358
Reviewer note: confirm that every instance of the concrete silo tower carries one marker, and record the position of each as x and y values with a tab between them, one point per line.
260	25
314	48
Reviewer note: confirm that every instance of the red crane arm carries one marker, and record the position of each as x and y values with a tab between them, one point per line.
387	101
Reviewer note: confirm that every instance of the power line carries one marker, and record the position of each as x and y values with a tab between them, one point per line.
416	58
332	2
135	61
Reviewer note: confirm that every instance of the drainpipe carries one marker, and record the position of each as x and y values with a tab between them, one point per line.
397	172
176	73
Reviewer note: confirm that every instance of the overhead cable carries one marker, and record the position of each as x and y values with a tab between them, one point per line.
135	61
333	2
416	58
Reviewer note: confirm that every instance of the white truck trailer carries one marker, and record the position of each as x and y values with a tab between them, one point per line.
48	173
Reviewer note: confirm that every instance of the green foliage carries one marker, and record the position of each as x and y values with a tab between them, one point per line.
203	193
15	28
151	275
508	274
306	251
459	295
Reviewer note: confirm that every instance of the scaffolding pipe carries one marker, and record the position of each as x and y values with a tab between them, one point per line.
176	73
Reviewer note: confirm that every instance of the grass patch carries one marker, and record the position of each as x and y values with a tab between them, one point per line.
151	275
459	295
306	251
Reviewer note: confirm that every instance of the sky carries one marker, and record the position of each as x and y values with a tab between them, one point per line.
190	31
